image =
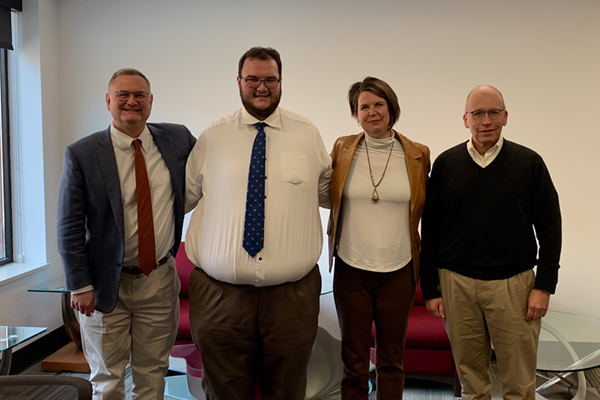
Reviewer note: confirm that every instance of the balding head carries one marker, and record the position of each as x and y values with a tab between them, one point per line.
485	116
486	90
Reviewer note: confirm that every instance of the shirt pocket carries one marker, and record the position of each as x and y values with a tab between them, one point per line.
294	168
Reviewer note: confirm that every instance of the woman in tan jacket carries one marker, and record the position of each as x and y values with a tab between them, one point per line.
377	196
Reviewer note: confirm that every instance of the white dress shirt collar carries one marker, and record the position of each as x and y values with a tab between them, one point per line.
274	120
489	156
123	141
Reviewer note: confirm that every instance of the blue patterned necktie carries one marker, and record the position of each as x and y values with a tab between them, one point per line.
254	224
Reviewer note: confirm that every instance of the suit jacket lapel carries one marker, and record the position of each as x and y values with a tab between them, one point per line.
108	165
169	155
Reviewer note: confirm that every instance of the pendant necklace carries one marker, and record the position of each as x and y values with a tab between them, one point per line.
375	195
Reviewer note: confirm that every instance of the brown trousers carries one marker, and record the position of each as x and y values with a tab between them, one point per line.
481	313
362	297
248	335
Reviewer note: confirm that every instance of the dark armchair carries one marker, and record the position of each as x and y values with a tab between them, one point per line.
40	387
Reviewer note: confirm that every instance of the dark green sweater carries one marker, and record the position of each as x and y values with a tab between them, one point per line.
479	222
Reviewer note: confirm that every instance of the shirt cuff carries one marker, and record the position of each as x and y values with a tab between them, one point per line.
82	290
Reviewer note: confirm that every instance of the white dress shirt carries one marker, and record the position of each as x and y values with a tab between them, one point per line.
489	156
376	236
298	171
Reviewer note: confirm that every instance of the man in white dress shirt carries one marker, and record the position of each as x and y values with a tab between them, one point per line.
256	237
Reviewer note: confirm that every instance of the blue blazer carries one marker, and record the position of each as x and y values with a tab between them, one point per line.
90	208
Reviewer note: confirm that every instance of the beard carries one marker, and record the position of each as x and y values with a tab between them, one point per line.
260	114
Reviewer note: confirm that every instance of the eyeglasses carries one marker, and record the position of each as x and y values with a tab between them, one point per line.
124	95
254	83
494	113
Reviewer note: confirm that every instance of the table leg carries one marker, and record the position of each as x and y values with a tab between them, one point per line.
5	362
325	368
581	382
70	320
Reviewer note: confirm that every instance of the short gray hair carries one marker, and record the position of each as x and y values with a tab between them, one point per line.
128	71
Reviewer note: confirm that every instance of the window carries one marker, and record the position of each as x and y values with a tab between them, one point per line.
6	248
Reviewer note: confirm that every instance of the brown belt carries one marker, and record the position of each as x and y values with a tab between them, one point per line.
134	270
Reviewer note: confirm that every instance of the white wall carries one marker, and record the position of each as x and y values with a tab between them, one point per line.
37	163
544	55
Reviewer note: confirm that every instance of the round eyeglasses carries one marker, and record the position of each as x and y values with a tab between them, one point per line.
254	83
494	113
124	95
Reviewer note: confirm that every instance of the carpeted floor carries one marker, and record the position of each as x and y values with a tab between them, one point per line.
421	389
415	389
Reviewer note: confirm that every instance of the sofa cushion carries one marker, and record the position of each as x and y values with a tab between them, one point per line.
184	330
425	331
429	362
425	361
419	296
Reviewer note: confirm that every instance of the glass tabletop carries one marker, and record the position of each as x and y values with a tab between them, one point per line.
58	286
11	336
568	342
326	287
54	286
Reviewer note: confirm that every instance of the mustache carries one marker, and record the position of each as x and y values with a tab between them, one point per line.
261	114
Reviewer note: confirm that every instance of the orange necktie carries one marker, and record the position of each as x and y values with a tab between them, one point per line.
146	244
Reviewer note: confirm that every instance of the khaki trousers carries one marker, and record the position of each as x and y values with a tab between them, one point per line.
480	314
361	298
249	335
140	330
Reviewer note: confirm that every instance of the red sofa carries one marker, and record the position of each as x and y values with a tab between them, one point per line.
427	351
184	269
184	345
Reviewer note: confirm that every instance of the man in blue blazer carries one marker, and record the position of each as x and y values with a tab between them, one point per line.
120	216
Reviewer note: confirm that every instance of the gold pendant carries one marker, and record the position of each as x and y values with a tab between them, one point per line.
375	196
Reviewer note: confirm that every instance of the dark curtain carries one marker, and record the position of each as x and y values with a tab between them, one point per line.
6	6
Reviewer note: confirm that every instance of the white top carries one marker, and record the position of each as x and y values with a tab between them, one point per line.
298	171
376	236
489	156
161	193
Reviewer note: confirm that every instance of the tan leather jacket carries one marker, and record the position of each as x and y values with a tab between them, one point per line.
417	165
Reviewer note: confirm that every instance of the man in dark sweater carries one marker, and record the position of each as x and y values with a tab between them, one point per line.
484	200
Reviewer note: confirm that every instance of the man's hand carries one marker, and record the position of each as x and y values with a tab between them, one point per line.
83	302
537	304
436	307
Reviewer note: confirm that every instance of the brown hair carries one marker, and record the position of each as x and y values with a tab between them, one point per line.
378	88
261	53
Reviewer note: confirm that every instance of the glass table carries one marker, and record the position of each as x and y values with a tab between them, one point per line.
569	344
12	336
68	315
326	287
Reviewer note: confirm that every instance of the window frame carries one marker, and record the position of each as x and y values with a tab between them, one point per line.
6	167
